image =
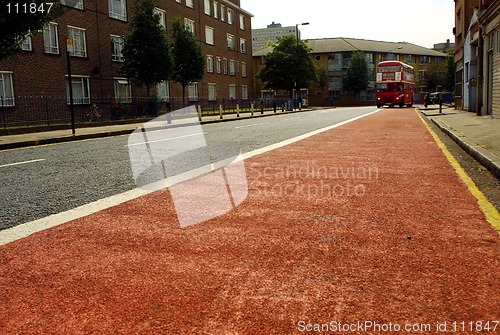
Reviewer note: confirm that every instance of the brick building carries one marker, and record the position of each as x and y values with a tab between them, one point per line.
97	28
333	54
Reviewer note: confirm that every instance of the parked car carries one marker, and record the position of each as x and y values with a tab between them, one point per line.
446	96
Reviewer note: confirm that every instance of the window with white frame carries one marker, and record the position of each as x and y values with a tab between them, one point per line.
161	14
244	92
243	69
178	1
163	90
212	91
218	65
216	9
242	22
232	67
117	43
190	3
123	90
230	42
230	16
73	3
243	45
207	7
26	43
224	65
210	63
118	9
209	35
222	13
232	91
193	91
77	35
81	90
6	89
189	25
50	38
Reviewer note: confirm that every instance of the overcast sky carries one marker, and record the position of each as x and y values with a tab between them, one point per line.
421	22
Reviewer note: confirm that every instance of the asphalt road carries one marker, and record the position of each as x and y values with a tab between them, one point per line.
40	181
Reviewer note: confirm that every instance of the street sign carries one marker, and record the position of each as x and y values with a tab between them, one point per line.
69	45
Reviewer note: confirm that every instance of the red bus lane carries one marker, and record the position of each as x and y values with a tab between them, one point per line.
362	226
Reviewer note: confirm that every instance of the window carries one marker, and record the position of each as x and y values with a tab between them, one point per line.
50	38
123	91
73	3
163	91
26	44
243	45
193	91
81	91
207	7
232	92
224	65
424	59
230	16
230	42
369	58
216	9
118	9
117	43
422	75
218	65
190	3
189	25
79	44
161	13
178	1
232	67
222	13
242	22
212	92
210	64
6	89
407	58
243	69
244	92
209	35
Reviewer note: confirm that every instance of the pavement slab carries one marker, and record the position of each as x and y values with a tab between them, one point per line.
365	222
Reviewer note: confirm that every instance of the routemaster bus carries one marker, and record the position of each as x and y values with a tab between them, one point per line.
395	84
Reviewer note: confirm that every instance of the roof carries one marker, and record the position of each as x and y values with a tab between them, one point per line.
341	44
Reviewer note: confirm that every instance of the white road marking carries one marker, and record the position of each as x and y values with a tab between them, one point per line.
28	228
20	163
251	125
164	139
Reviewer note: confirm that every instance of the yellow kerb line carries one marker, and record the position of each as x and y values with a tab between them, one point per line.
490	212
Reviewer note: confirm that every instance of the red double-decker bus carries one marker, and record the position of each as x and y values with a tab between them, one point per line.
395	84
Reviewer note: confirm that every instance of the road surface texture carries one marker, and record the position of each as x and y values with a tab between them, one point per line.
363	223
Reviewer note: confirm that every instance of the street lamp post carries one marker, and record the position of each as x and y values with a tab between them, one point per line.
298	60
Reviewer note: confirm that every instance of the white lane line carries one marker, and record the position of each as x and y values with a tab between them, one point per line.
20	163
164	139
251	125
28	228
293	118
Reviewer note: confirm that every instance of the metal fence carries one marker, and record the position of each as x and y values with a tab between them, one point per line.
49	111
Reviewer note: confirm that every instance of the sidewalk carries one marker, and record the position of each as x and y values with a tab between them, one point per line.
60	136
361	224
477	135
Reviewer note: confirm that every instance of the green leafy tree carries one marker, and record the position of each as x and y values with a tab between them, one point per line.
449	82
288	66
356	77
322	77
188	58
147	53
16	24
436	75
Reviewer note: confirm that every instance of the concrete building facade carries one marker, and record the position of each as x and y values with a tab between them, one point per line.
274	31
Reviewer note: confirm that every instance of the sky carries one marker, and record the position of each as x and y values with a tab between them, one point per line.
421	22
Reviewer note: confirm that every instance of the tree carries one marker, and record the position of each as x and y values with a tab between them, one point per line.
436	75
16	23
146	51
356	76
288	66
323	77
188	59
449	83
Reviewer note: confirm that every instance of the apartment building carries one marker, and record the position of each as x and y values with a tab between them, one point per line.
333	54
97	28
274	31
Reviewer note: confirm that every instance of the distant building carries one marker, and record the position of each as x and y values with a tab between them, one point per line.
334	55
273	32
445	47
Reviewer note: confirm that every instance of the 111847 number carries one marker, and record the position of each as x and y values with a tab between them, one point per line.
29	8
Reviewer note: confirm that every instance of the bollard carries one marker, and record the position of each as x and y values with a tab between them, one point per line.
251	108
199	112
220	111
169	117
262	107
274	106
